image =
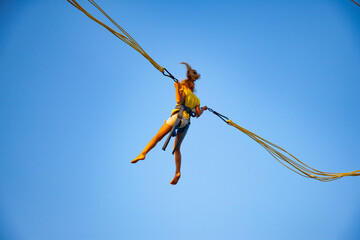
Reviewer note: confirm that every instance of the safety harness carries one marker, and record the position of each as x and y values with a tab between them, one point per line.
176	127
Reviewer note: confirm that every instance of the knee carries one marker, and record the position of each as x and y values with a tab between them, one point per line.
158	137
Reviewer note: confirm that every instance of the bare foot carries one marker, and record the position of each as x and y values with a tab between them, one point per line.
140	157
175	180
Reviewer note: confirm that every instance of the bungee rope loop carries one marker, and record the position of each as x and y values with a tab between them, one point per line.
281	155
168	74
222	117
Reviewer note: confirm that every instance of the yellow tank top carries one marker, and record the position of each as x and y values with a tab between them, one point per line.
191	101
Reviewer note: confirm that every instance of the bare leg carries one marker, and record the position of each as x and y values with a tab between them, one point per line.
165	129
177	160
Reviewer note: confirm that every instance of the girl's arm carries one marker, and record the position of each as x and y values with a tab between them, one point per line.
179	95
199	110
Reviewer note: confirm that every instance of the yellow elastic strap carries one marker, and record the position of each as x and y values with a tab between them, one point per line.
355	3
126	37
291	162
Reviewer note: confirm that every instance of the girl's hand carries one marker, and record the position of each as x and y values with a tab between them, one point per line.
176	85
199	110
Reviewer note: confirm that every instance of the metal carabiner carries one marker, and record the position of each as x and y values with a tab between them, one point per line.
168	74
222	117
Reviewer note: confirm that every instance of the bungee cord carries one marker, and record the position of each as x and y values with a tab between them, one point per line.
290	161
355	2
125	37
280	154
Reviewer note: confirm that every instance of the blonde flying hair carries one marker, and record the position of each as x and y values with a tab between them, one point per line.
191	75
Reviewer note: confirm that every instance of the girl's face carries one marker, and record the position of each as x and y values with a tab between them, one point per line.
194	75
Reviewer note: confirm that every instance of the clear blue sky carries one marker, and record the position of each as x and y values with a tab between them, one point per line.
77	105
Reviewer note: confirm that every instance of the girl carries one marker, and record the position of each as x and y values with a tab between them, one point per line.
184	96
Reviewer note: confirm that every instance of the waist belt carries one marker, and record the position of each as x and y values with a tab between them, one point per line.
184	108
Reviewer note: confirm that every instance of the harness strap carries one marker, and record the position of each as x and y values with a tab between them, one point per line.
184	130
177	124
182	108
